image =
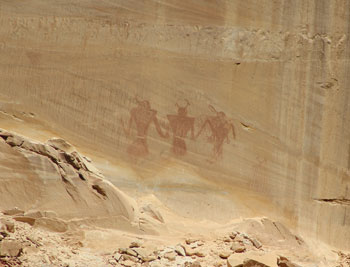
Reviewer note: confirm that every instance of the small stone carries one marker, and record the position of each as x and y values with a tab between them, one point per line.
127	257
225	254
199	254
200	243
117	256
9	248
237	248
227	239
131	252
13	211
128	263
135	244
180	251
149	258
171	256
233	235
190	241
189	251
256	243
194	264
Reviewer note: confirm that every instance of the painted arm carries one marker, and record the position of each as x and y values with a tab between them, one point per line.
159	130
202	128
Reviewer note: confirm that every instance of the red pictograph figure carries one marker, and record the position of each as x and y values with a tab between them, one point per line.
142	116
220	127
180	125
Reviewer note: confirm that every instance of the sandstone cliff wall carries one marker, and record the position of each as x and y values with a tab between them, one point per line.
278	70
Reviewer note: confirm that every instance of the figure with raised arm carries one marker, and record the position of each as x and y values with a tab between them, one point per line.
181	125
220	127
142	116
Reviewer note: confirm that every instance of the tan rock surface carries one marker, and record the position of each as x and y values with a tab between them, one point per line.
205	112
41	179
277	69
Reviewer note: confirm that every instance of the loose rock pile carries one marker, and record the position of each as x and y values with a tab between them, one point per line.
235	249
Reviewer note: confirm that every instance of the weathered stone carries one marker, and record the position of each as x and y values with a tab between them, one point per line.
256	243
189	251
180	250
233	235
191	240
4	133
200	253
60	144
238	248
8	225
135	244
13	211
149	258
117	256
227	239
193	264
131	252
128	263
171	256
25	219
225	254
14	140
51	224
127	257
10	248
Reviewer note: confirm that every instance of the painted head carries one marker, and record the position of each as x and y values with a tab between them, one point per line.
182	111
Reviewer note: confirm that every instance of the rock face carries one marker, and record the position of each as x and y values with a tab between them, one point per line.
61	183
154	82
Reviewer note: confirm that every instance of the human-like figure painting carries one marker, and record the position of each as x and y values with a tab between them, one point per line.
180	126
220	127
142	116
